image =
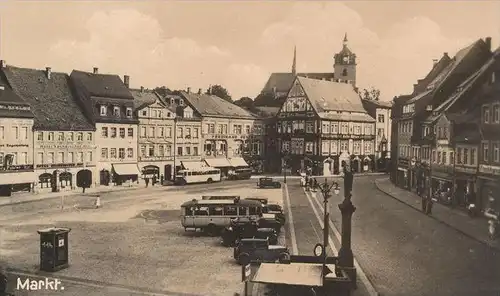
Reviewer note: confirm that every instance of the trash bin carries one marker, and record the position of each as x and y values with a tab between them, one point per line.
54	248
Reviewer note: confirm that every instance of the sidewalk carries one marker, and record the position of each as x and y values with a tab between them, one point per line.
20	198
476	228
280	176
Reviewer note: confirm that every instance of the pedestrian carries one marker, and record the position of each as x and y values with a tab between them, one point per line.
154	180
147	181
315	184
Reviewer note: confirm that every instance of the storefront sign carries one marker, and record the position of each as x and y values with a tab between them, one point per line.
59	165
14	145
442	168
466	170
25	167
489	169
64	146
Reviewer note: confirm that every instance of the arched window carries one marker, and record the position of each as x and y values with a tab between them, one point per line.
65	179
45	180
344	72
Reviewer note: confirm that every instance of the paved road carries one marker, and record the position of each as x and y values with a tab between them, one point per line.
404	252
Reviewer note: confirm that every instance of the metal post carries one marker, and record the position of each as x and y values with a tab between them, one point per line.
175	148
346	257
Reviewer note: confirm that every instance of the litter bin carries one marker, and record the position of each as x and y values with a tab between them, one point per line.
54	248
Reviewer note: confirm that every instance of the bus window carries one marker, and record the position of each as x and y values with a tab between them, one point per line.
242	211
254	210
215	211
230	210
203	211
188	211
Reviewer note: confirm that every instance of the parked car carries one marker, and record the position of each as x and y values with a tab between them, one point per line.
263	201
275	209
270	221
268	183
243	229
259	250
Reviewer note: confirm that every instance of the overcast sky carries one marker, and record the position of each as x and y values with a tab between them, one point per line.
238	44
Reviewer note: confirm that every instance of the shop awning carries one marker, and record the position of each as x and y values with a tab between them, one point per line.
304	274
238	162
218	162
104	166
192	165
126	169
17	178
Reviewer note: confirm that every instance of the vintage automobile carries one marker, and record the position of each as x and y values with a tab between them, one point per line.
270	221
275	209
240	174
259	250
244	229
263	201
266	182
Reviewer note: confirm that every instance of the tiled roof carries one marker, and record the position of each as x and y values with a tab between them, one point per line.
51	100
102	85
346	116
379	104
143	98
283	81
17	106
331	96
419	96
209	105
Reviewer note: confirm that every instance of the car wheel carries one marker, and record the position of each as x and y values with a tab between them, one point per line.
209	180
279	186
284	257
244	259
211	230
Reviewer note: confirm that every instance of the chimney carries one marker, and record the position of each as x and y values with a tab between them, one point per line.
188	90
142	89
199	91
48	71
126	80
96	70
3	64
487	40
446	54
434	62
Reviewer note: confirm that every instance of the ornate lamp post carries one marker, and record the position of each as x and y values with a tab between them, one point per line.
325	189
345	256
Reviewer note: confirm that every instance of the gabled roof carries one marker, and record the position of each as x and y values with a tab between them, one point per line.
102	85
213	106
13	106
52	100
284	81
144	98
331	96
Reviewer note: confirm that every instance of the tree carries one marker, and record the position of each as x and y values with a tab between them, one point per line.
220	91
244	102
372	94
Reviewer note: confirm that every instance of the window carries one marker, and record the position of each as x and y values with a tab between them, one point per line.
113	132
51	136
210	128
131	132
169	132
39	158
466	156
219	128
144	113
89	137
152	132
116	111
161	134
486	114
486	156
344	146
71	157
459	155
195	132
188	132
80	157
344	128
188	150
60	137
237	129
24	133
368	148
380	132
473	156
179	132
39	135
247	129
130	152
122	132
143	132
344	72
129	112
151	151
159	113
496	155
50	157
161	150
89	156
381	118
357	130
439	157
71	136
179	151
357	147
309	147
433	156
155	113
452	160
143	150
309	127
15	132
444	157
195	151
168	151
335	128
121	153
104	110
60	157
445	132
113	153
104	153
496	113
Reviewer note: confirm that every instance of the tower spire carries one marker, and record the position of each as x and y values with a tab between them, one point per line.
345	39
294	63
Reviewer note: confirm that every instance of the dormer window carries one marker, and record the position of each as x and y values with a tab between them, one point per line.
104	110
144	113
159	114
486	114
129	112
344	72
116	111
181	102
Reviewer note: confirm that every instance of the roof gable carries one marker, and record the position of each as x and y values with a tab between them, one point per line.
144	98
102	85
52	101
213	106
296	100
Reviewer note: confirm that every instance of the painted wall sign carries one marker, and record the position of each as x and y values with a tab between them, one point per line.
489	169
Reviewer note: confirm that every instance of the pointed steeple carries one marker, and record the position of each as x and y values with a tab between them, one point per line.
345	39
294	63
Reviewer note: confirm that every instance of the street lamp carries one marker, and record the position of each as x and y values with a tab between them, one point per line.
326	189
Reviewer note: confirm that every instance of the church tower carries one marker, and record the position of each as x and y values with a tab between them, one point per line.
344	66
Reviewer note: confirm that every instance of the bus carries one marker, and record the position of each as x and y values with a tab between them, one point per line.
219	197
240	174
211	216
199	175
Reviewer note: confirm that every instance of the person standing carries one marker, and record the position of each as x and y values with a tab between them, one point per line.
147	182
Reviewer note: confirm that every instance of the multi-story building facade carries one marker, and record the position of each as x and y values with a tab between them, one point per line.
64	149
226	131
16	141
381	112
108	103
419	114
271	153
323	124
